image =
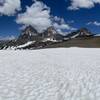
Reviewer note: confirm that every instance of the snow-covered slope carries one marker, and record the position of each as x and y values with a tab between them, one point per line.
26	44
50	74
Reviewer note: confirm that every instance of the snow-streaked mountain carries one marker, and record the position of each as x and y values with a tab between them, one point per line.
25	45
50	74
83	32
30	34
44	39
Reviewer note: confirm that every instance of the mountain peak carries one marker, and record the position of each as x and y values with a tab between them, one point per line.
84	32
29	30
51	30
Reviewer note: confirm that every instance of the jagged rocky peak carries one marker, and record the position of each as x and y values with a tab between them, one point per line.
51	30
27	34
30	31
84	32
51	33
48	33
33	32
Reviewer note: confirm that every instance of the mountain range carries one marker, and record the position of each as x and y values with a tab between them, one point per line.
31	39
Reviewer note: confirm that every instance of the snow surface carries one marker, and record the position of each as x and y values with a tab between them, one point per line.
50	74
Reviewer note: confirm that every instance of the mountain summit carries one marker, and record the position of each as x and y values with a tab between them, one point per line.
82	33
29	30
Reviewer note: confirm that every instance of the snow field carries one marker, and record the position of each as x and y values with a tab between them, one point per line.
50	74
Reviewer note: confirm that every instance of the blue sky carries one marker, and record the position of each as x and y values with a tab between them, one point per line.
83	14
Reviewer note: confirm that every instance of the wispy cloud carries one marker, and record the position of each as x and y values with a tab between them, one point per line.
96	23
77	4
7	37
61	26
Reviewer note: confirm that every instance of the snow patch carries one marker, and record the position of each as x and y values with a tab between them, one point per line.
49	39
26	44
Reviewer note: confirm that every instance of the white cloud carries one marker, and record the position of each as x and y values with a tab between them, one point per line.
94	23
37	15
76	4
9	7
61	26
7	37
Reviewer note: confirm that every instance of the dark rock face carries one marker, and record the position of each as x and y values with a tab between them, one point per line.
49	33
28	34
52	34
29	31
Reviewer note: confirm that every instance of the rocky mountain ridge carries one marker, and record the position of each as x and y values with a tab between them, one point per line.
31	39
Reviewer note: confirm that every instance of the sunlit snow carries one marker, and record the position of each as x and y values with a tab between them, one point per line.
50	74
